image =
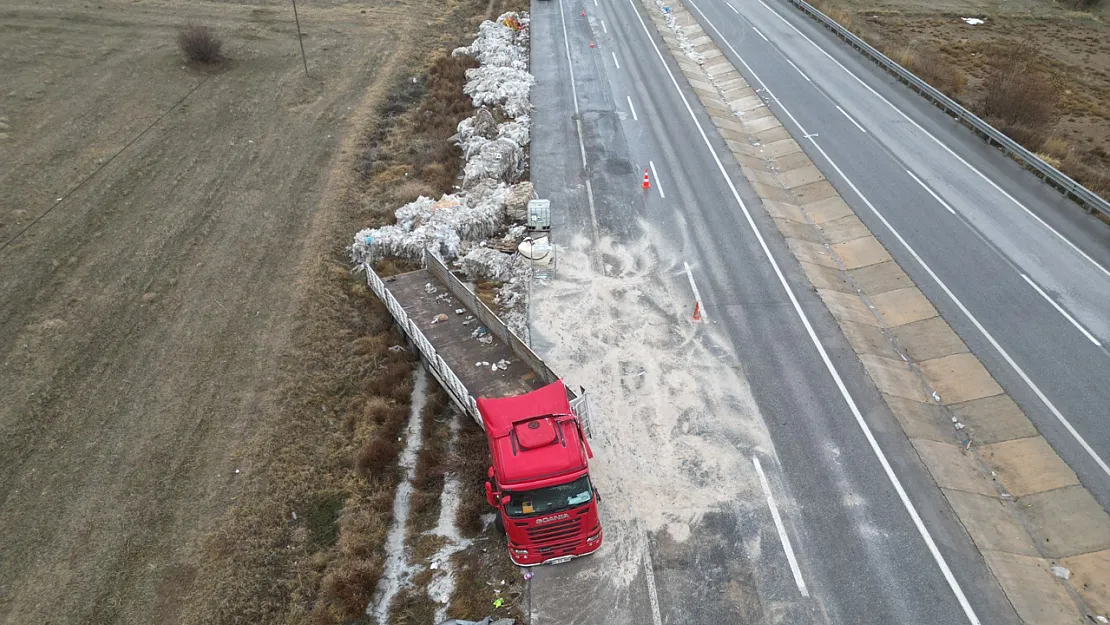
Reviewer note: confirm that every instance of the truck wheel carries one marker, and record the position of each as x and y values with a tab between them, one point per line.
499	524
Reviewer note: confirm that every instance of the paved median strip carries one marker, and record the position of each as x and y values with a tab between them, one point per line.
1022	506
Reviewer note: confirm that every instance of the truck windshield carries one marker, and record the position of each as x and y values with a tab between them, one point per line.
550	499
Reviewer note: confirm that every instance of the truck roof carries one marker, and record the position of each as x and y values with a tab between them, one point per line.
532	437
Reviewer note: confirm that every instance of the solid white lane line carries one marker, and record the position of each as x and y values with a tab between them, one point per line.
615	61
658	185
944	287
930	191
760	34
845	114
632	108
578	125
1061	310
783	538
733	8
919	524
950	151
797	70
604	28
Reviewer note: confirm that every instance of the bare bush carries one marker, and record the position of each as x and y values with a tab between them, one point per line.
1083	5
931	67
199	44
1018	94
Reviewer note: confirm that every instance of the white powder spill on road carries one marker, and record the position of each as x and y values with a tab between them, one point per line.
674	422
397	570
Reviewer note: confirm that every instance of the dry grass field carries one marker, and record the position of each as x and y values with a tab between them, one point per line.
1047	62
195	390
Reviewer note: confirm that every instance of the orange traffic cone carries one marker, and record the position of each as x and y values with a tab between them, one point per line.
647	182
697	311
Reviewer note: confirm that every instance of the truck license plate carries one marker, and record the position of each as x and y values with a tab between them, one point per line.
560	560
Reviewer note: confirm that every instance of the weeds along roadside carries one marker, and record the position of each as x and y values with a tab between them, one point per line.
303	543
1006	81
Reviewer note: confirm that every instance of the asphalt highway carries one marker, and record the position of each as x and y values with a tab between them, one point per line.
1019	271
870	545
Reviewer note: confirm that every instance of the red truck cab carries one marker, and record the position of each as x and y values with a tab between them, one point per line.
539	480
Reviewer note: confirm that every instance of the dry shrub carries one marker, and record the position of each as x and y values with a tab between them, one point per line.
409	190
1019	97
1093	177
376	456
1082	5
345	589
199	44
412	606
1057	147
931	67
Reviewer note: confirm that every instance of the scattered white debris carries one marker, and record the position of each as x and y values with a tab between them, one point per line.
1062	572
483	263
396	349
973	21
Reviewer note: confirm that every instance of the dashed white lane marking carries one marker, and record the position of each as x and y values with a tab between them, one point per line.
649	576
1061	310
760	34
797	69
615	61
658	184
604	28
632	108
733	8
694	288
783	538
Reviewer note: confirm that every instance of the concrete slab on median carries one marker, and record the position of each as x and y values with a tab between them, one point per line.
861	252
880	278
814	192
952	468
827	209
959	378
1067	521
747	102
993	419
921	419
772	192
928	339
848	306
784	210
1090	576
843	229
790	162
991	522
868	339
1027	465
1035	594
893	377
763	177
812	253
828	278
903	306
763	124
730	123
772	135
795	230
779	147
800	177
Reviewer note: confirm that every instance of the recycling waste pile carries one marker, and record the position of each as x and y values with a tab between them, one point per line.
460	227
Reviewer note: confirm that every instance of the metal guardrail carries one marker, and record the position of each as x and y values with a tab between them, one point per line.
438	367
1072	189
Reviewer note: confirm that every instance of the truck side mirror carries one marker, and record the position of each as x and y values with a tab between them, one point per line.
491	498
505	500
489	473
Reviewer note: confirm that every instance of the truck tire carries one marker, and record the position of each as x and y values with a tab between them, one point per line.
499	524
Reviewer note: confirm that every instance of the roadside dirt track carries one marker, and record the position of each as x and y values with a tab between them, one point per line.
143	316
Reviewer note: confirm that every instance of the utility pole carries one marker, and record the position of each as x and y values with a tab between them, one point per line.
300	37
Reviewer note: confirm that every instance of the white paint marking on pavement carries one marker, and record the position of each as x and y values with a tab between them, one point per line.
783	538
845	114
797	69
761	34
930	191
649	576
733	8
944	287
578	125
992	183
658	184
595	3
615	61
1061	310
632	108
694	288
604	28
941	563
